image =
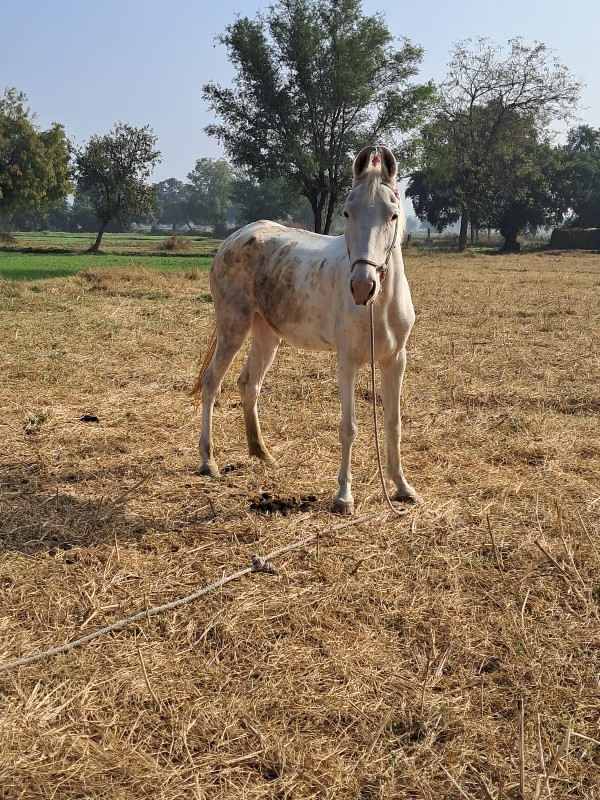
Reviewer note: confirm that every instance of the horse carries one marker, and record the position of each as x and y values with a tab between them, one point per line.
316	292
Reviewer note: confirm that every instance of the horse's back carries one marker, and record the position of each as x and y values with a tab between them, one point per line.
287	275
264	242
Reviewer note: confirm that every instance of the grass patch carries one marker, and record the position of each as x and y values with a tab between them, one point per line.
113	243
37	256
18	266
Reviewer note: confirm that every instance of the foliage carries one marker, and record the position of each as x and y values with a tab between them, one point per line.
172	203
34	164
523	178
271	198
56	217
493	109
432	195
578	179
112	171
209	193
315	82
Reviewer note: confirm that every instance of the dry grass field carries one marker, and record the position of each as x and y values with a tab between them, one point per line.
450	653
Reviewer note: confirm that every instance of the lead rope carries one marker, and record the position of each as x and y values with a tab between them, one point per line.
259	564
398	511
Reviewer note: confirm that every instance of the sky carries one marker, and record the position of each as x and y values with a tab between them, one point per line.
88	65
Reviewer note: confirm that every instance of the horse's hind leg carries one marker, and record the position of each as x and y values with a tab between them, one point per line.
227	347
262	352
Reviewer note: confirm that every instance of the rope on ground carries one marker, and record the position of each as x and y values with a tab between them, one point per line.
398	511
259	564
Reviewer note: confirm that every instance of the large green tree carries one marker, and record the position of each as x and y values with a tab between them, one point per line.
267	199
523	181
514	189
489	99
112	171
172	203
34	164
315	81
209	193
578	180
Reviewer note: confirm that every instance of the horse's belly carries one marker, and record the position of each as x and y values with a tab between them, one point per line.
307	342
306	334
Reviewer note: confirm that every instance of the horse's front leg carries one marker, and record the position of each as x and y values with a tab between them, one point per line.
343	502
392	373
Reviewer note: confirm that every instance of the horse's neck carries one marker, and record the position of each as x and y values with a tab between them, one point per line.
396	262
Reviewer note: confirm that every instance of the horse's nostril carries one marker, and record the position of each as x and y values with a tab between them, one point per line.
373	287
352	288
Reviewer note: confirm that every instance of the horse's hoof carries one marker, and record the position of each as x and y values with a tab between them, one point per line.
345	508
408	496
209	470
266	458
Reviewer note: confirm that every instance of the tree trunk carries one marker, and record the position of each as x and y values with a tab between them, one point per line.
511	245
96	246
316	209
330	212
464	230
317	199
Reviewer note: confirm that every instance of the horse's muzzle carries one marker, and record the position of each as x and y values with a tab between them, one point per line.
362	290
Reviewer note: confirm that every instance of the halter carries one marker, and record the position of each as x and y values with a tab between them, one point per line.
380	268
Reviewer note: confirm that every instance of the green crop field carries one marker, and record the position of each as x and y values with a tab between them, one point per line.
35	256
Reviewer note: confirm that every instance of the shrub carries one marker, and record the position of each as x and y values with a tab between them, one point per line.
178	244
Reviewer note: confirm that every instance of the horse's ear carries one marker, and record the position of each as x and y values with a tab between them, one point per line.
389	166
362	161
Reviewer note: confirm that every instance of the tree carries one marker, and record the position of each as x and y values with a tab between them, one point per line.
112	171
484	101
83	215
316	80
34	164
578	184
53	217
209	193
269	199
523	180
172	203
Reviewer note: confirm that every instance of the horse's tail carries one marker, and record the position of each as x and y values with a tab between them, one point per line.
197	387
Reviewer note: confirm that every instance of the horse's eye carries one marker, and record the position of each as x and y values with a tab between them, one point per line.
394	216
346	214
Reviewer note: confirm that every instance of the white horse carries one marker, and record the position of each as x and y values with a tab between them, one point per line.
314	291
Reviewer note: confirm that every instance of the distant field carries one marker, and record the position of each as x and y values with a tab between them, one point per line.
35	256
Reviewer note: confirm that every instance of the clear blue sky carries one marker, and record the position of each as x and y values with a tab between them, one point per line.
90	64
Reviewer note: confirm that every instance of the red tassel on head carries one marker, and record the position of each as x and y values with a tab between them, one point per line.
376	159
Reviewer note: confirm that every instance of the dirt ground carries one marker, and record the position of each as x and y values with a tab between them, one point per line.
451	653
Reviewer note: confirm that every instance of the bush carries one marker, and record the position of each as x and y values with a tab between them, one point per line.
178	244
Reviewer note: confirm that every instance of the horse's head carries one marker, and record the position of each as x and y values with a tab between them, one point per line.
374	221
